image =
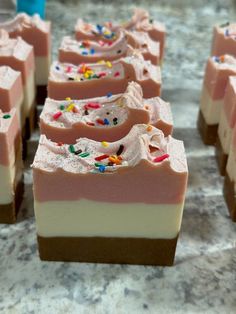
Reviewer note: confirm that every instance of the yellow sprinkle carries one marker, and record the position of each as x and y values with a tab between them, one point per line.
107	32
109	64
149	128
101	62
104	144
68	98
70	107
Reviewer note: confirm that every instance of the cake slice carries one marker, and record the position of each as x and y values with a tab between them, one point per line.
218	69
103	78
110	202
88	51
140	22
226	124
11	91
230	178
102	117
37	33
19	55
11	172
224	40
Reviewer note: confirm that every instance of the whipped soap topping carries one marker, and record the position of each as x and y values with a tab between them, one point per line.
140	21
143	143
5	120
13	47
102	112
7	77
225	62
99	48
23	21
115	70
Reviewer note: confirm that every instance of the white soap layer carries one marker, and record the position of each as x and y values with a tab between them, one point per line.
42	70
7	176
225	133
231	165
29	94
211	109
87	218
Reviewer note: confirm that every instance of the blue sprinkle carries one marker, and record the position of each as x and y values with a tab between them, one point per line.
216	59
92	51
226	32
84	53
109	95
99	28
101	168
106	121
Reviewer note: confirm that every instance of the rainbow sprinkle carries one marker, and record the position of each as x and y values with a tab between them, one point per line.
161	158
57	115
83	155
104	144
72	149
7	116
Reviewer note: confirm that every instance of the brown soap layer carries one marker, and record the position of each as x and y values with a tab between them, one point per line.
8	212
137	251
230	196
221	157
41	94
31	121
208	132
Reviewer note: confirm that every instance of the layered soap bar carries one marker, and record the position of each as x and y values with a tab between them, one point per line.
11	172
11	91
140	22
103	78
102	117
224	40
230	178
19	55
226	124
112	202
88	51
37	33
218	70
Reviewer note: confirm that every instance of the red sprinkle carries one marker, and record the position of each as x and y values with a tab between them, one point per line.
100	121
68	69
101	74
86	43
57	115
109	43
99	158
90	123
93	105
59	144
161	158
117	74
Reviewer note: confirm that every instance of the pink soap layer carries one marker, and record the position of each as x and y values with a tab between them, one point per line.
9	135
60	174
131	69
121	112
11	88
224	40
229	104
33	30
217	74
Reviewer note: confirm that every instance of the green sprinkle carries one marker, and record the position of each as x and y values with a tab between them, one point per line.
97	164
7	116
72	149
62	107
86	154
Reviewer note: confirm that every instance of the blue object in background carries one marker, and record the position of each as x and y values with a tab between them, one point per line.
31	7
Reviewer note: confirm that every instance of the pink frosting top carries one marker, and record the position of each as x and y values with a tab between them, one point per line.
32	29
9	135
144	166
102	117
7	77
89	51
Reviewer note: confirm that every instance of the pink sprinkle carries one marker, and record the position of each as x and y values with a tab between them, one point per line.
117	74
68	69
101	43
101	74
161	158
57	115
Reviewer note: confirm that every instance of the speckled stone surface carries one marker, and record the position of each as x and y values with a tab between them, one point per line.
203	279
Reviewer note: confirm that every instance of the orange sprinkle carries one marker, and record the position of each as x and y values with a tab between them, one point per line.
222	59
149	128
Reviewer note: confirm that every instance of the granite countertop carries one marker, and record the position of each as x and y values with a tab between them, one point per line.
203	279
